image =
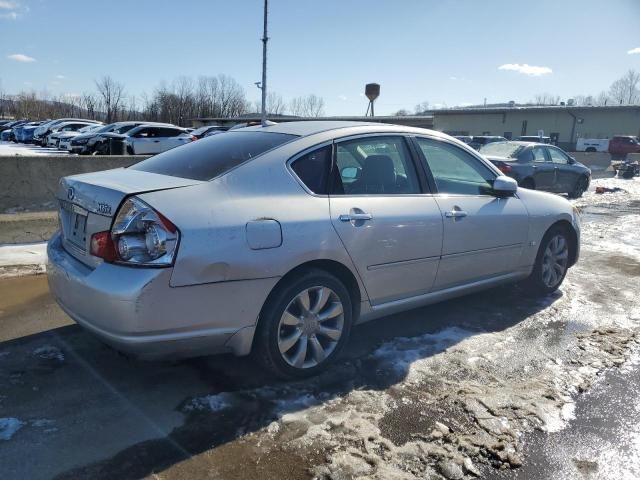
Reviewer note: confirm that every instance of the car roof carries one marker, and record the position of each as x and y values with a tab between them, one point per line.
524	143
310	127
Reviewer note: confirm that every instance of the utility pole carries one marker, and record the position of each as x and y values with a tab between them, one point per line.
263	85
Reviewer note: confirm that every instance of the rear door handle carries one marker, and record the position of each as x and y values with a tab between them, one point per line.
455	214
355	215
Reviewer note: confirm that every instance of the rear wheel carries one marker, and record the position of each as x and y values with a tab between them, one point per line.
552	262
590	150
528	183
304	325
579	188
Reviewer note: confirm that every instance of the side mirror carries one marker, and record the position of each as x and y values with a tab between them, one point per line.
571	160
350	173
505	186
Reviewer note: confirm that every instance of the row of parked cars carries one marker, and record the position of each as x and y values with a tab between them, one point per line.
91	137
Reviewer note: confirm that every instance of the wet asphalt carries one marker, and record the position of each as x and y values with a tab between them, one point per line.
86	411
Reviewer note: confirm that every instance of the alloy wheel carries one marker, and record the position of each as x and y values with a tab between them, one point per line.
555	261
310	327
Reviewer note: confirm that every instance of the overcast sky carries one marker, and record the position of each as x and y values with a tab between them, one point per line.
446	52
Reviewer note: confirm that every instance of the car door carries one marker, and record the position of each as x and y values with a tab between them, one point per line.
483	235
390	226
544	173
144	140
171	138
566	174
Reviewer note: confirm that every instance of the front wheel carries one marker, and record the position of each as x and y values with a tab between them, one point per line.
552	262
304	325
579	188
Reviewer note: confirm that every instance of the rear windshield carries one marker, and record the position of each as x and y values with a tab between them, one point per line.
502	149
212	156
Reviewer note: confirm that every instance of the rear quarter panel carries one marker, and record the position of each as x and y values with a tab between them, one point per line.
212	219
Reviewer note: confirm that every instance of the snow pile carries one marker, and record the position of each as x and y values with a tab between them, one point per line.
8	427
49	352
21	259
10	149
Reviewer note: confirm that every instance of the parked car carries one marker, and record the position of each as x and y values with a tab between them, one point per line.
4	135
26	133
539	166
11	135
53	138
99	144
202	132
13	123
40	135
279	239
65	138
619	146
19	132
464	138
152	139
480	140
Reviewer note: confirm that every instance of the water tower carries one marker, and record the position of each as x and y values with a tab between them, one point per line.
372	91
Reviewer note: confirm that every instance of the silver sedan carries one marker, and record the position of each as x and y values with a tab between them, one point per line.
277	240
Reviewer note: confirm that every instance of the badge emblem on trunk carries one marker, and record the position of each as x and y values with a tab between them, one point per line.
71	193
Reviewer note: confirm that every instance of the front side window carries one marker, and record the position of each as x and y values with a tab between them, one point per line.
557	156
375	166
538	155
313	169
455	171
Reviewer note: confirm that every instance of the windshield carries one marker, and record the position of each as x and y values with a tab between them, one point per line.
124	128
502	149
212	156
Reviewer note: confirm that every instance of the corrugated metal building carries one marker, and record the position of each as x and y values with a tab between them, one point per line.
564	123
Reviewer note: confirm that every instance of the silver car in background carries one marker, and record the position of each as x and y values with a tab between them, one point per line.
277	240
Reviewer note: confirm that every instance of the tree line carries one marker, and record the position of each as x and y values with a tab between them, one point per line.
176	102
623	91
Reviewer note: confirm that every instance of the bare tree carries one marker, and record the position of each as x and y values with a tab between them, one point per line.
421	108
112	94
403	112
546	99
309	106
624	91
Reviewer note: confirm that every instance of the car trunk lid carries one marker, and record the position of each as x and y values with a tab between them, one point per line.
88	202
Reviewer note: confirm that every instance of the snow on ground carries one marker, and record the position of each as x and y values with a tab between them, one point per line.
8	427
10	149
22	259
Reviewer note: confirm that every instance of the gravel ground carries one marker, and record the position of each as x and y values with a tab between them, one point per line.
483	386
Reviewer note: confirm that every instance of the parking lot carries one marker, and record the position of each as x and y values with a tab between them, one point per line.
496	385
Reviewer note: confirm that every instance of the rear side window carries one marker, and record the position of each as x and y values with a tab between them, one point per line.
313	170
212	156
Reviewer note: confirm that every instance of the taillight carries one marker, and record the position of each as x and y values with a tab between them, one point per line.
193	138
102	246
504	167
139	236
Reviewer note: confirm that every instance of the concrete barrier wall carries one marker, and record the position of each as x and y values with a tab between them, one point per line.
593	160
30	182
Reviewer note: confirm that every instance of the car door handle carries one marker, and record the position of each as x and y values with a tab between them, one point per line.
156	141
455	214
354	217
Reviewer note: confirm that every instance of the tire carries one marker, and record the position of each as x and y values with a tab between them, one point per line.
590	150
579	188
546	277
528	183
130	150
292	341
